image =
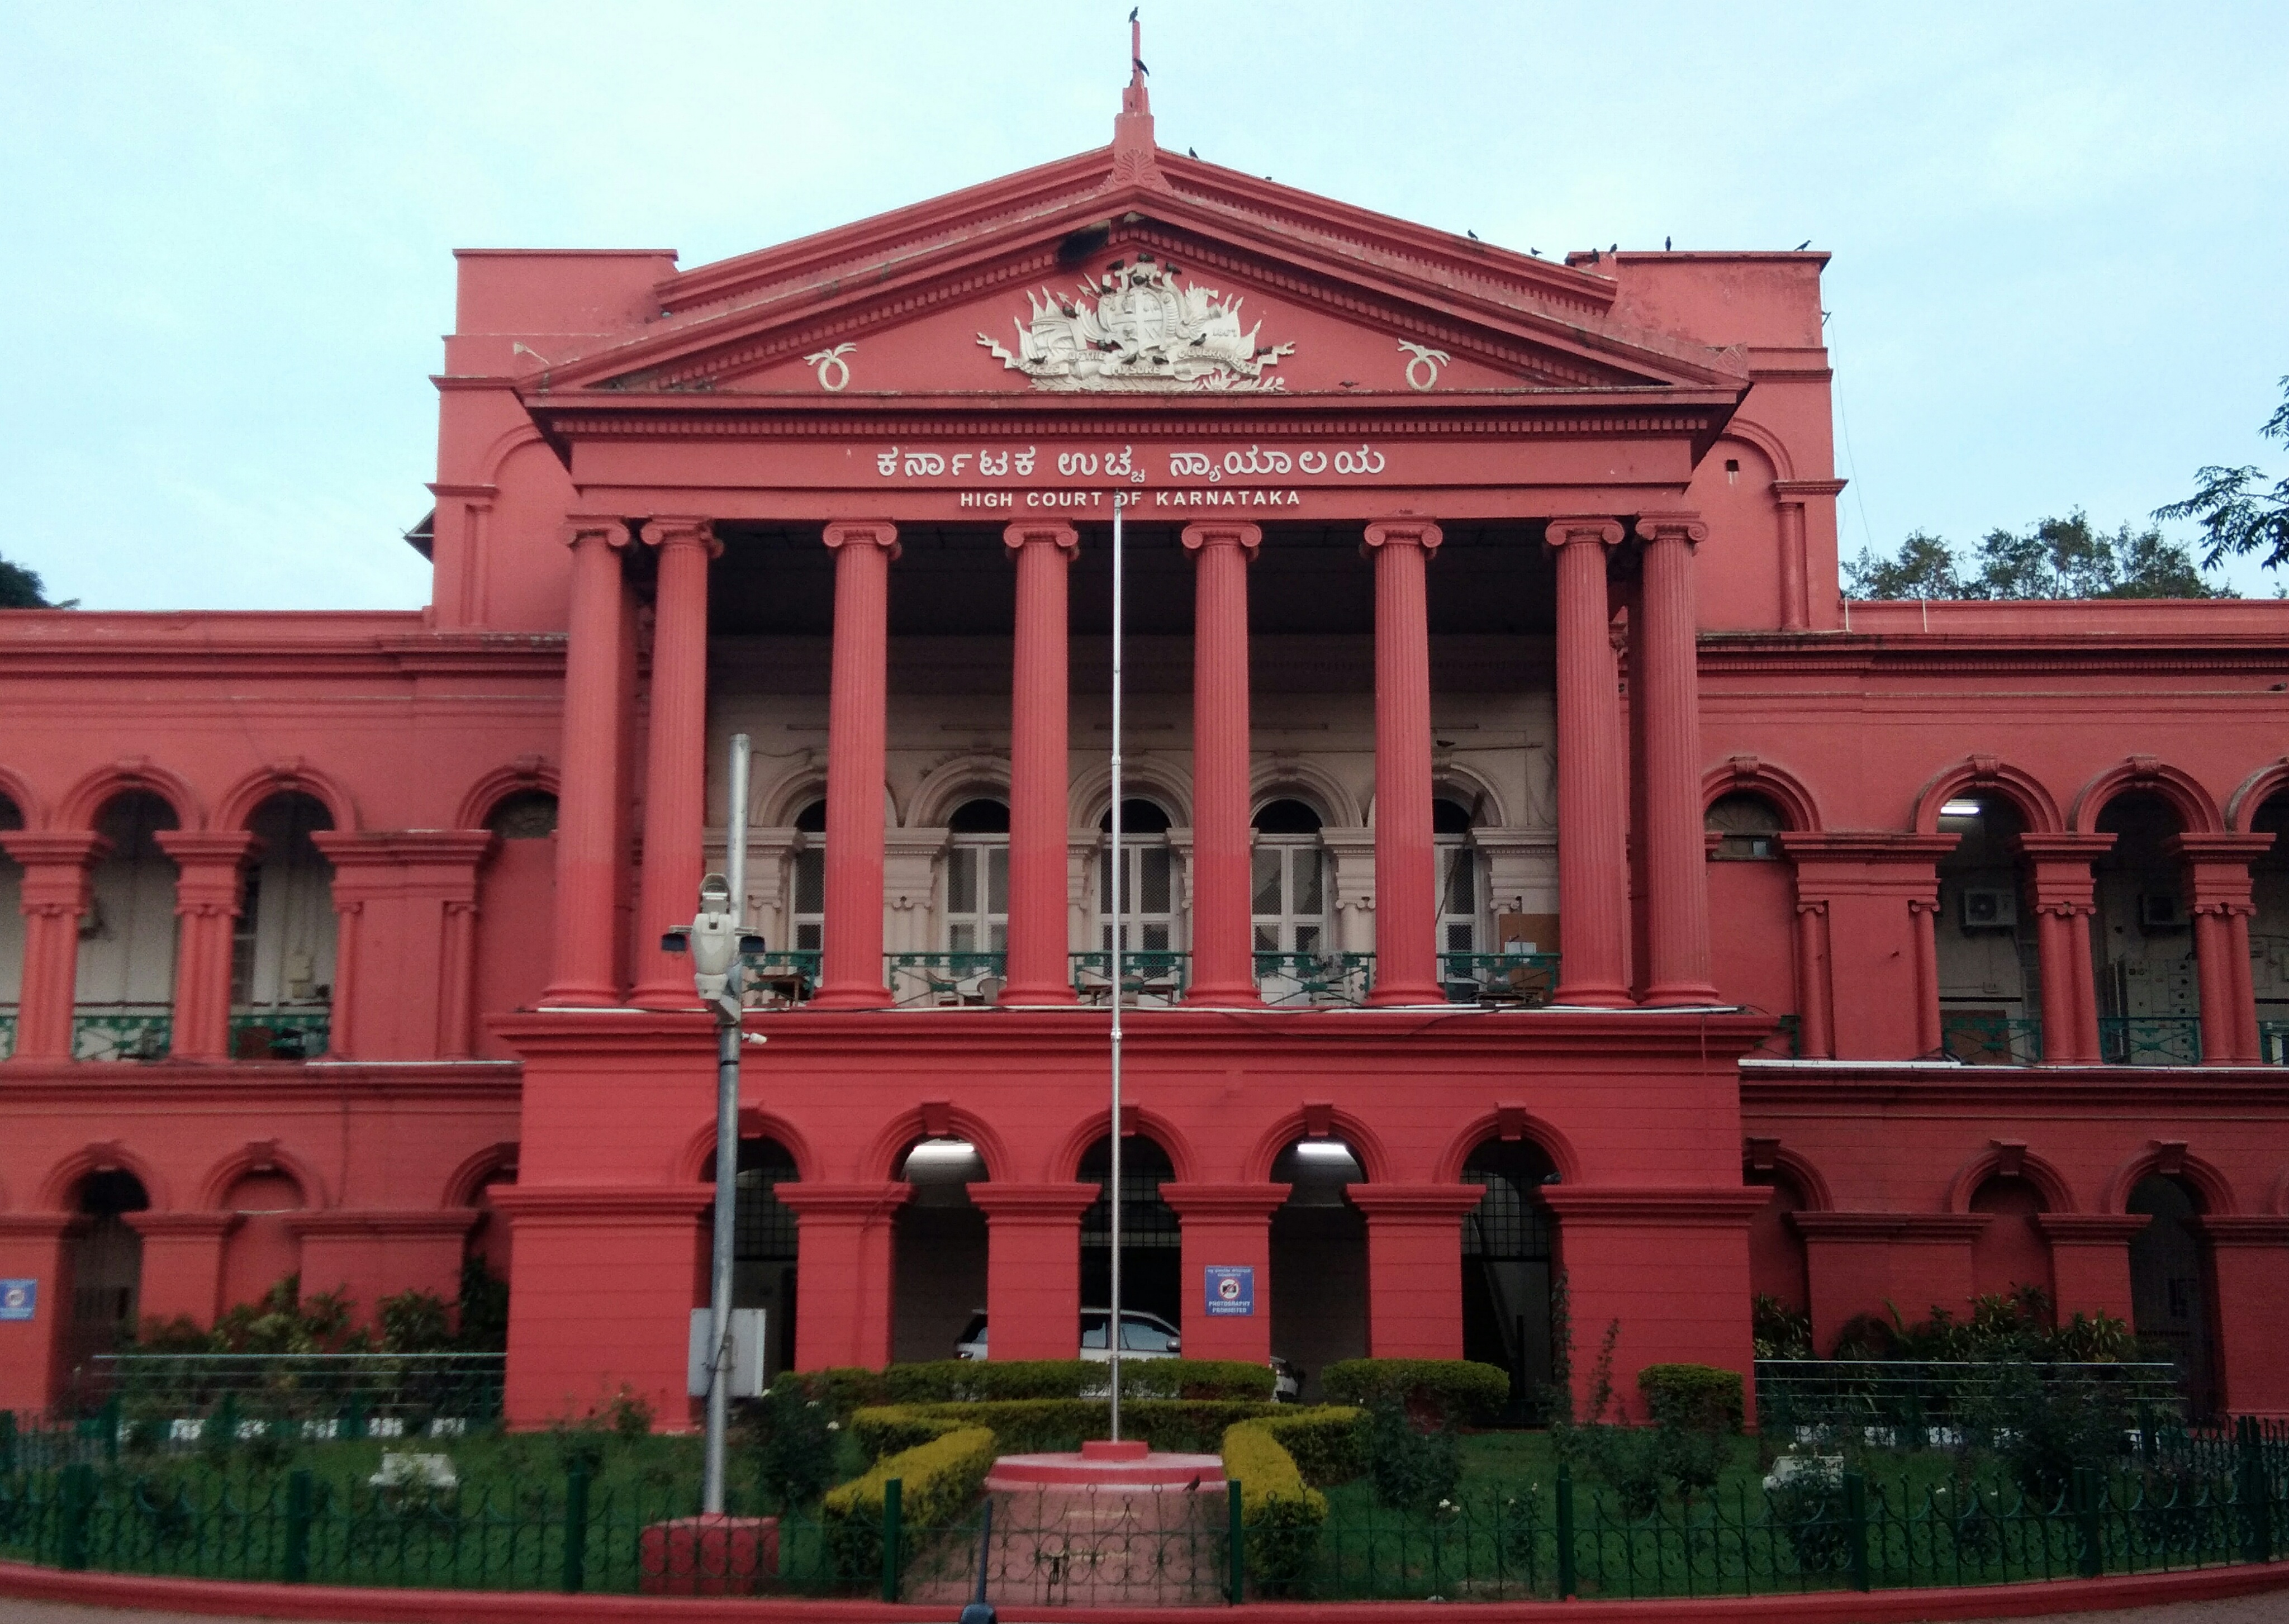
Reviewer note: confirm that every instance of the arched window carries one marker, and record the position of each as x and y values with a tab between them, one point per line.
1745	824
282	959
1148	889
2148	990
1288	880
2269	932
1460	885
810	913
1989	969
126	986
978	877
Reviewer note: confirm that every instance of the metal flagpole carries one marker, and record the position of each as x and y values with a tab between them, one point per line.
1112	1202
730	1032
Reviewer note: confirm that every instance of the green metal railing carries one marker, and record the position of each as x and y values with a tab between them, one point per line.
8	1033
2273	1042
2150	1040
1147	976
1990	1039
280	1034
568	1513
172	1398
775	979
1527	979
950	979
1315	978
125	1031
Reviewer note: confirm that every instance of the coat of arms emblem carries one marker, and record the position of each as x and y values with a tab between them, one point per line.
1136	330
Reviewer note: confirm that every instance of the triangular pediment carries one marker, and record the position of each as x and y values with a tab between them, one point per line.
1060	281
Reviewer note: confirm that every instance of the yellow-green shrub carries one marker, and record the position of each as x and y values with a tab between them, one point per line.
939	1480
1327	1442
1281	1512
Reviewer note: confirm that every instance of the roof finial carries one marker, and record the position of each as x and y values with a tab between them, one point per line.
1134	159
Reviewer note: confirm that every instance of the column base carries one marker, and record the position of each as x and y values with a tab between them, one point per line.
1386	998
667	996
1593	996
1681	995
579	995
1244	997
1058	992
851	997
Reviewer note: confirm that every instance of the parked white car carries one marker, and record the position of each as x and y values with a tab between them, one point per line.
1143	1336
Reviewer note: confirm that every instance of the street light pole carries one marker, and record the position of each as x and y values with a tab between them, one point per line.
1112	1190
729	1034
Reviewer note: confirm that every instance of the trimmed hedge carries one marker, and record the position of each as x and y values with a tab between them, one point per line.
1282	1513
1696	1398
1442	1391
1031	1426
1329	1443
846	1388
939	1477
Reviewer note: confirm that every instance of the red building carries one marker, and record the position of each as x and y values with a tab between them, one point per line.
1537	867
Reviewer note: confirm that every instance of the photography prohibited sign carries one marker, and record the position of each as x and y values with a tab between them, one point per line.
1231	1289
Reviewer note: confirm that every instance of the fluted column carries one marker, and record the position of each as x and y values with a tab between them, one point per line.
1677	859
588	848
208	890
55	897
1593	913
1923	923
1405	865
2063	893
857	716
1224	962
675	758
1038	970
2219	896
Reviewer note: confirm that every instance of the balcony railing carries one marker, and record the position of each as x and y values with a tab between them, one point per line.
1983	1040
1147	976
8	1033
2273	1042
1525	979
1314	979
2150	1040
122	1031
279	1034
783	979
948	980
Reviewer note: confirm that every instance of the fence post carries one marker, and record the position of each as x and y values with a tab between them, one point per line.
2252	1491
110	1421
576	1525
2086	1486
1235	1540
1855	1529
1567	1578
78	1507
893	1516
299	1496
7	1442
353	1423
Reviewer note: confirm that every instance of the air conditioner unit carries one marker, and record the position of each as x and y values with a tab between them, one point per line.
2160	911
1987	908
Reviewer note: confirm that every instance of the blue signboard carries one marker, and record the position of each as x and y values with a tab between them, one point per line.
18	1299
1231	1289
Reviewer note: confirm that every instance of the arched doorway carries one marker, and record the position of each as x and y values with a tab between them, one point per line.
2149	990
282	949
763	1250
2012	1252
1508	1264
1780	1271
1990	1006
106	1256
938	1270
2169	1286
2269	932
125	991
1319	1260
1151	1259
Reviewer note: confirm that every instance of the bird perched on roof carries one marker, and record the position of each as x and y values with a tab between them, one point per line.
1803	245
1616	249
1191	152
1472	235
1139	61
1132	12
1664	245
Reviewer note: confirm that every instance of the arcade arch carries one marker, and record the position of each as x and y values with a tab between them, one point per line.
1510	1261
2269	930
764	1243
1752	901
2172	1287
282	960
1152	925
1151	1246
2148	986
938	1246
515	891
125	984
1990	963
262	1248
1319	1259
105	1257
1288	892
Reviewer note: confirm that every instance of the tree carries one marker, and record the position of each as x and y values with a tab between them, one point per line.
2238	519
23	588
2054	558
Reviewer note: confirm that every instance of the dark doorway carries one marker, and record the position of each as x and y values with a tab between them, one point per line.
763	1249
1152	1257
939	1277
1507	1268
107	1269
2170	1295
1319	1261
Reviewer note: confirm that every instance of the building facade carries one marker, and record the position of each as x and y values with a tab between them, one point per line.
1544	889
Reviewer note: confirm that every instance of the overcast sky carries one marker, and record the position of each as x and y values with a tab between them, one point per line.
2058	232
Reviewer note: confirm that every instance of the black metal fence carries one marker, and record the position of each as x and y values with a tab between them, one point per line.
1926	1404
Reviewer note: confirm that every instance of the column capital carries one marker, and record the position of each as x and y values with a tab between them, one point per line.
1796	491
1427	1202
1573	530
862	532
1226	1201
1686	527
1202	534
666	533
2218	850
1039	1203
851	1202
578	528
55	849
1403	532
1055	533
209	847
